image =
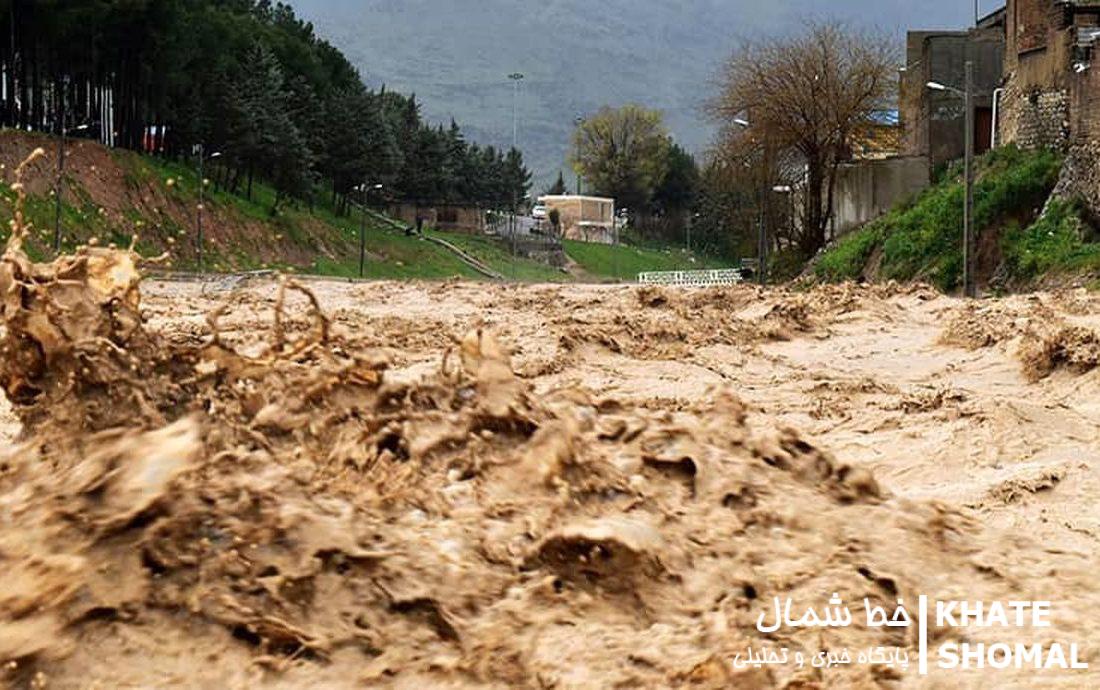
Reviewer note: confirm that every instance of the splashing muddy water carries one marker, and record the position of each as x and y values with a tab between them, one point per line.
462	485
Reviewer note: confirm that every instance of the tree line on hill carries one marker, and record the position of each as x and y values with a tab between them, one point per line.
248	79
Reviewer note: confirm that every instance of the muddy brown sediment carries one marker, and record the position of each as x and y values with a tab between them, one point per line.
296	486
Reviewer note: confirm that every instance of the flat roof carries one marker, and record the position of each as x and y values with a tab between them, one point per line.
574	197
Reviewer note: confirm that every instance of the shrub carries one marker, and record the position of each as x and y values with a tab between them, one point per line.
1055	242
846	260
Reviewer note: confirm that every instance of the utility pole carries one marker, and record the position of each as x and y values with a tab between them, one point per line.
969	288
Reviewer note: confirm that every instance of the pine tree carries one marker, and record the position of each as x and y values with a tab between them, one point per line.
558	188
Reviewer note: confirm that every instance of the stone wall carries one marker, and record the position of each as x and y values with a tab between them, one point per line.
1080	178
1032	118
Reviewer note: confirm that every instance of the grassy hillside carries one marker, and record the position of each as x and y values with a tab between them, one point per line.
113	195
923	239
626	262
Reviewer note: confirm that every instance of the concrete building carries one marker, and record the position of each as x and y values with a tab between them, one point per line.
866	189
585	218
933	121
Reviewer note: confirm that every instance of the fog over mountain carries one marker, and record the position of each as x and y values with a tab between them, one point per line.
576	55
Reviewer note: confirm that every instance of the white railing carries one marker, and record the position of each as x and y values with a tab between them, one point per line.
719	276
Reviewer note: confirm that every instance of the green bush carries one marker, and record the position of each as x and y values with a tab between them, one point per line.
1054	243
846	260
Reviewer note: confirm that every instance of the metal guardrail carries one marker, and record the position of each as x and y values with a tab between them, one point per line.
719	276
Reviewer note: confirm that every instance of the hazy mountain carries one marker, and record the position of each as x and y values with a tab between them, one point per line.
576	54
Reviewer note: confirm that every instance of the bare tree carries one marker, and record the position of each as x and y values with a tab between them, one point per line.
805	95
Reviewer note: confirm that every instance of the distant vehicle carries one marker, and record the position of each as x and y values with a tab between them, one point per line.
539	212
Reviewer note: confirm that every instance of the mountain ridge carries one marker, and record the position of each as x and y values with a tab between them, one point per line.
576	56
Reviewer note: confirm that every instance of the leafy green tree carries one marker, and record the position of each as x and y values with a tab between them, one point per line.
679	185
622	153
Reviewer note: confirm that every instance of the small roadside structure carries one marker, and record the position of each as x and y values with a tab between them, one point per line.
447	217
584	218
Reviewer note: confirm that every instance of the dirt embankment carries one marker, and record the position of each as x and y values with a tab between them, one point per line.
116	194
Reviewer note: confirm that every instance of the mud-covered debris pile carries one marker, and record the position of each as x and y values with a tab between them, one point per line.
1036	327
665	323
452	529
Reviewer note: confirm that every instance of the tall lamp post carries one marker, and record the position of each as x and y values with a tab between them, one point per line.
59	190
516	78
578	122
202	185
61	165
762	238
967	93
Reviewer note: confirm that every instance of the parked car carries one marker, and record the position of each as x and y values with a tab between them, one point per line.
539	212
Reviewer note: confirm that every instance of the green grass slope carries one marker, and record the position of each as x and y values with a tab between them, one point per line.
922	239
115	195
624	262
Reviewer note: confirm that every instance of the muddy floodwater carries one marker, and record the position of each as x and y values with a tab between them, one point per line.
249	484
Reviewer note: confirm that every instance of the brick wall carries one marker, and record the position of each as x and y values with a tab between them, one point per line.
1085	103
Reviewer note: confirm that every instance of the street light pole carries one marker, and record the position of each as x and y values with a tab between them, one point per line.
202	186
968	248
362	239
762	237
60	180
762	240
516	78
969	288
363	226
578	122
59	189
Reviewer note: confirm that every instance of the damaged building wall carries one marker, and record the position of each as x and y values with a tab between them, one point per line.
1051	95
1035	103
